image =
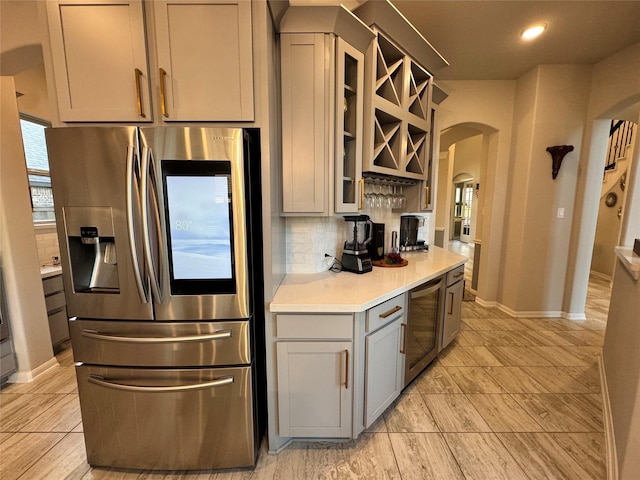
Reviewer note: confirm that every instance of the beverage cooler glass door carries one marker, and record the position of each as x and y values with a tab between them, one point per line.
423	327
193	184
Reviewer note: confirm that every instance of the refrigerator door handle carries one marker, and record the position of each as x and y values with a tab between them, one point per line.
218	382
218	335
131	185
149	182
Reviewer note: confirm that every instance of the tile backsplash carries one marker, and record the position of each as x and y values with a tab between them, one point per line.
310	238
47	243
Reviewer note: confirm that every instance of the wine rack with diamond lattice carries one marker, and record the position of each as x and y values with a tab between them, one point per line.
397	112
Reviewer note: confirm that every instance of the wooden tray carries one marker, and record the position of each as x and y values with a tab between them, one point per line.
383	263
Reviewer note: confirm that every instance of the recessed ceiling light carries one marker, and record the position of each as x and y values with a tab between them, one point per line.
533	31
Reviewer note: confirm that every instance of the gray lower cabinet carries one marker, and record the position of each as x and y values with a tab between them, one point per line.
338	372
56	309
384	356
315	380
452	305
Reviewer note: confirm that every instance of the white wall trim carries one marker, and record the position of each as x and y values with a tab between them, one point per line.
601	276
574	316
30	376
609	438
486	303
529	314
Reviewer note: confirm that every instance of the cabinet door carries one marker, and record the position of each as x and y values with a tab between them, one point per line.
384	362
314	389
99	60
205	60
305	105
452	313
349	185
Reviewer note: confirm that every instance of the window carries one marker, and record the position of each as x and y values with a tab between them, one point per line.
35	151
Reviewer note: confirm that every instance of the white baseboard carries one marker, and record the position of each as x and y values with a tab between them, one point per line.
609	438
30	376
601	276
529	314
485	303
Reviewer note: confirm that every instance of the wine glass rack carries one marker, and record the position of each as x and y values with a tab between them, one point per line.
398	117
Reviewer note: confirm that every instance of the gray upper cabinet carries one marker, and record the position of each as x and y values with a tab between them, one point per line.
205	64
99	60
322	68
102	56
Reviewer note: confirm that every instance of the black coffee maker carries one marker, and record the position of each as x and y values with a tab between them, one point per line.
376	245
355	256
409	232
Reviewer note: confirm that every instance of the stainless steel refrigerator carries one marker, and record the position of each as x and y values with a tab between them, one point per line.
160	234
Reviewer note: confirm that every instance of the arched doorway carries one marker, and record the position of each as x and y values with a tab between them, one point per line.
467	152
462	208
588	199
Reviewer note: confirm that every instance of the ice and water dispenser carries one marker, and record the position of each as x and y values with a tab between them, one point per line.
92	249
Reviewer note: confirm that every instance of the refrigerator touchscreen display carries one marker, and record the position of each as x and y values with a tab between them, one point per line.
199	224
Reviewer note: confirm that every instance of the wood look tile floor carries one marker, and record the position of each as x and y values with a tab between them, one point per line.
509	399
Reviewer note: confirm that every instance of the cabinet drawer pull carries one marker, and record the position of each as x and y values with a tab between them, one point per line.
458	275
403	348
346	369
138	74
361	182
451	304
163	102
390	312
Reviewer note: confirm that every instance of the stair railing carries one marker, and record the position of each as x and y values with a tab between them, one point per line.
620	138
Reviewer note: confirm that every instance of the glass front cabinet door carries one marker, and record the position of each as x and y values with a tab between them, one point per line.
349	184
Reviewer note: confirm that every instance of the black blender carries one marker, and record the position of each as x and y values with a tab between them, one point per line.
355	256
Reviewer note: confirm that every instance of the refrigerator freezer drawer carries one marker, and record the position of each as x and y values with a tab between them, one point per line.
145	344
167	419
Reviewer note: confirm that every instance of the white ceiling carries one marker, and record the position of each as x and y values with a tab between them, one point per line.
480	39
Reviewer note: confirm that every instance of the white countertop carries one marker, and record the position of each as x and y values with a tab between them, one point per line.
630	260
50	271
329	292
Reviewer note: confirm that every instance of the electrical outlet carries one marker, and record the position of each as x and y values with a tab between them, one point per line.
328	259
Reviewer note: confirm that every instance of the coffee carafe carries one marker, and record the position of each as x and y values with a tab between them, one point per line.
355	255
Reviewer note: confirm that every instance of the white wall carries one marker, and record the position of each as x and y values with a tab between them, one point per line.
35	99
615	87
489	105
621	357
25	296
608	229
551	108
469	157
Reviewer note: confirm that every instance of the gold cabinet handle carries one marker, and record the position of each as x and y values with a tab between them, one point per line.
346	370
138	74
361	182
403	348
451	304
390	312
426	196
163	103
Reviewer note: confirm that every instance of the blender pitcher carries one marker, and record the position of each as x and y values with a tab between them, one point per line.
355	256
